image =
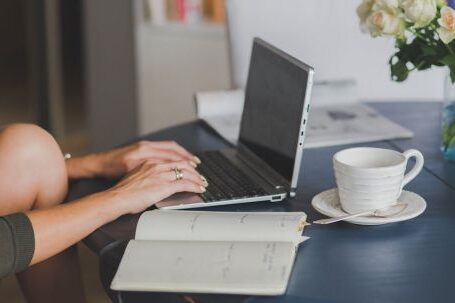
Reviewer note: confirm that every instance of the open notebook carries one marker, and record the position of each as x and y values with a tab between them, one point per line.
211	252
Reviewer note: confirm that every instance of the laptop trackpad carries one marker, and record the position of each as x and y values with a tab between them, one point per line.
179	199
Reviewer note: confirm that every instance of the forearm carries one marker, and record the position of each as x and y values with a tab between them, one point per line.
58	228
83	167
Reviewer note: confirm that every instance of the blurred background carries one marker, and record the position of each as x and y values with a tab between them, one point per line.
96	73
42	67
74	67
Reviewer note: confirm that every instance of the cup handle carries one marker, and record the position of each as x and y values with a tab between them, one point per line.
417	167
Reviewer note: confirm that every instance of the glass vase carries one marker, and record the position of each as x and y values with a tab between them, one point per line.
448	120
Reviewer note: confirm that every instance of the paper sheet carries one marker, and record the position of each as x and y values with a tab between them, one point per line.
211	252
220	226
328	125
261	268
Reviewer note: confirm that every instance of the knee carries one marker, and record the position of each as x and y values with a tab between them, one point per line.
31	158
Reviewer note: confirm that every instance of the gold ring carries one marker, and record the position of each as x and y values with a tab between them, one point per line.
178	174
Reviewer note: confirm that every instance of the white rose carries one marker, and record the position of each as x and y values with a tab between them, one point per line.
419	12
386	19
364	9
391	6
446	30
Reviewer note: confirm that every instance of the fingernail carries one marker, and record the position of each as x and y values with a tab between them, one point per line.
197	160
204	181
193	164
202	189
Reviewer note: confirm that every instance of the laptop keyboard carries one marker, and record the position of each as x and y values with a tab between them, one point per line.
226	181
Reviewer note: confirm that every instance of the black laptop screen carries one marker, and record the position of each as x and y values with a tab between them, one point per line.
274	100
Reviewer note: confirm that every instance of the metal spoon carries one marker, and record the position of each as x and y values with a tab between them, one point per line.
381	212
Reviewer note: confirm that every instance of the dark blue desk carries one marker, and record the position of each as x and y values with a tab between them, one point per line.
412	261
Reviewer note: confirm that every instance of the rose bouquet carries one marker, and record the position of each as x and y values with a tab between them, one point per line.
424	32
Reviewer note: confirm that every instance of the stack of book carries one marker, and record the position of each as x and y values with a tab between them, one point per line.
185	11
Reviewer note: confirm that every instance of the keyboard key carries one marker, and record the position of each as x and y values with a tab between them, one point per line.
225	180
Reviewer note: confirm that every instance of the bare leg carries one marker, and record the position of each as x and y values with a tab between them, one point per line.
33	176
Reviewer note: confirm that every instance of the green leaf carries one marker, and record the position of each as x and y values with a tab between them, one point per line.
399	71
448	60
452	73
424	64
428	50
399	43
420	53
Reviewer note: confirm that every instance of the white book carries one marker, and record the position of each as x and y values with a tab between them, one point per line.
211	252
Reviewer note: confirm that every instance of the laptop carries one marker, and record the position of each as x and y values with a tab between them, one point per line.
265	164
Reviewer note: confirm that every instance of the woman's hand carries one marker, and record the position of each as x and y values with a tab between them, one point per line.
141	188
117	162
150	183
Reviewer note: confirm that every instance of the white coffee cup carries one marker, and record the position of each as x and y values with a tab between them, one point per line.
372	178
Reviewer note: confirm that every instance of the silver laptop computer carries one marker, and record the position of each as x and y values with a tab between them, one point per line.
265	164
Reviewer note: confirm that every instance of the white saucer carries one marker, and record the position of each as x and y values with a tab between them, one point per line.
328	203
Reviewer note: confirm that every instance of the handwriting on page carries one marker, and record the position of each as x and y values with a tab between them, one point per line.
242	218
283	220
267	257
267	263
194	222
226	268
205	265
218	226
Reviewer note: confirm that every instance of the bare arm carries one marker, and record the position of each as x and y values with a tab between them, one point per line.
59	227
117	162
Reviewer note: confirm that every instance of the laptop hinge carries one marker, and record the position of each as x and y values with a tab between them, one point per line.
261	168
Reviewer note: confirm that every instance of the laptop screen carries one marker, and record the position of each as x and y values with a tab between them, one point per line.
274	101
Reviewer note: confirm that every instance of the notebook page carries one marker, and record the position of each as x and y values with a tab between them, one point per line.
220	226
206	267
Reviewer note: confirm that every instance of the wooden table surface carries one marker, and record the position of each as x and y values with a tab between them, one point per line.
411	261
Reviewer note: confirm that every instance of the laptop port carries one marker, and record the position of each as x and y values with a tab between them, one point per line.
276	198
